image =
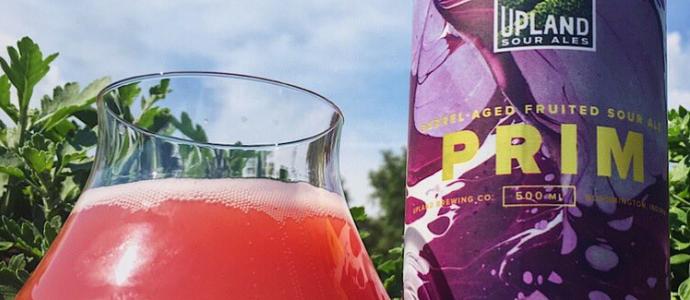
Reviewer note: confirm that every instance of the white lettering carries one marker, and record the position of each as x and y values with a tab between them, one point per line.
506	29
522	20
533	24
582	26
550	25
567	25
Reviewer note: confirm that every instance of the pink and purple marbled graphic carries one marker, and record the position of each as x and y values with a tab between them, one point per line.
482	250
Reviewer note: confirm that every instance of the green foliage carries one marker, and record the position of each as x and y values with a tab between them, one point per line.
383	235
66	101
559	7
524	5
388	262
388	182
44	160
26	68
679	210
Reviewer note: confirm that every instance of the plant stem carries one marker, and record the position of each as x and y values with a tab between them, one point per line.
24	96
680	199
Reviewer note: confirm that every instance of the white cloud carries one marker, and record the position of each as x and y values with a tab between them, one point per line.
307	41
678	70
333	47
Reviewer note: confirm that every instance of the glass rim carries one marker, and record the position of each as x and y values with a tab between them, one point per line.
238	76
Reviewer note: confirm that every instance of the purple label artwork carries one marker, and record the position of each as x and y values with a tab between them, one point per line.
537	161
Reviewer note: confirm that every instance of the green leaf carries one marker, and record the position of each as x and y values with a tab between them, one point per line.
26	233
5	245
389	281
678	245
67	100
84	138
396	251
388	266
51	228
358	213
4	179
9	283
26	68
156	93
88	116
10	164
22	274
39	160
5	103
680	259
684	290
75	158
10	137
128	93
61	130
679	173
70	190
121	101
146	119
17	262
163	123
161	89
10	227
185	125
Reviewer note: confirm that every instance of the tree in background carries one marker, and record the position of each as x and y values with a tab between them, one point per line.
383	235
388	182
679	208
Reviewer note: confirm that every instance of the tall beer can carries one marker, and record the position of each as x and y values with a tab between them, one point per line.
537	161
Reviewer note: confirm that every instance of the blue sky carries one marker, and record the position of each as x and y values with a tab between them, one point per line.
354	52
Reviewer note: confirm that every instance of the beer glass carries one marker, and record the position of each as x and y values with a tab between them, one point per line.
210	186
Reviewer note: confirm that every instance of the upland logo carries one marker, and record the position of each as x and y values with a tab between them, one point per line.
544	24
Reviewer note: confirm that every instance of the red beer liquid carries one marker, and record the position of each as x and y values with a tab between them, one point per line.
207	239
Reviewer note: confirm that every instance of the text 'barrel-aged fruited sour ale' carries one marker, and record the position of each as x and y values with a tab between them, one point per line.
537	151
207	239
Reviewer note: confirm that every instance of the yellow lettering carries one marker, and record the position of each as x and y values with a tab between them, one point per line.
594	111
540	108
608	146
528	108
451	157
569	149
498	111
523	153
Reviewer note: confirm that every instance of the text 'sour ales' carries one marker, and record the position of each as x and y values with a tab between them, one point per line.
537	151
207	239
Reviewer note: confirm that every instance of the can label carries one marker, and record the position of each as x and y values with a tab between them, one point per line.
524	25
537	163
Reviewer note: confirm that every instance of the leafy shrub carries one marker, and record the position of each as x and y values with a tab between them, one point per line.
679	211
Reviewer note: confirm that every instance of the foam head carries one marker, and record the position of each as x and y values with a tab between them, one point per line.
275	198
